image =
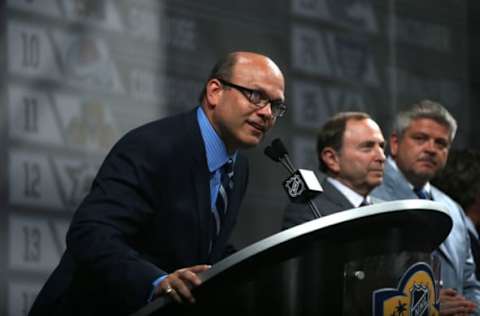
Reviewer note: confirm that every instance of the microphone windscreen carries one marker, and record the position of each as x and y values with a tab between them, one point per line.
279	147
272	153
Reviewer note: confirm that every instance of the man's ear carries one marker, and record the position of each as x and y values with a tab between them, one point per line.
393	144
329	157
213	92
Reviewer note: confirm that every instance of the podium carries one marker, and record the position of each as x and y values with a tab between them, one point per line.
374	260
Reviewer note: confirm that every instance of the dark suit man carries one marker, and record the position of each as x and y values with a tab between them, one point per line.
419	147
152	221
350	153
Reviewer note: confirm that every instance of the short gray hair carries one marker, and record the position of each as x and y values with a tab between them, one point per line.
425	109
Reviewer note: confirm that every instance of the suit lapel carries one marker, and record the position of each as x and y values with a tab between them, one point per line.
200	176
446	247
443	248
396	183
335	197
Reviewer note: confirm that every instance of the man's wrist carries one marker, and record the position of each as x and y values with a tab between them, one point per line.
155	284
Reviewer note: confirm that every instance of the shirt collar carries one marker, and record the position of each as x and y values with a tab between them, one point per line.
215	149
352	196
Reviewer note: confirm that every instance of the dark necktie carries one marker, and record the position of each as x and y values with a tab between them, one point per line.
219	211
421	193
364	203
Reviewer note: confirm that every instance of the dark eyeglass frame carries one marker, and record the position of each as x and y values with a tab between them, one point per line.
278	106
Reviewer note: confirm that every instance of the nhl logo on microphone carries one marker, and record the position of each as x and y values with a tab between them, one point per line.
302	185
294	186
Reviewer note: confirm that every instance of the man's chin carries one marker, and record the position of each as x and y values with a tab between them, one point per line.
375	183
421	178
426	168
251	141
426	173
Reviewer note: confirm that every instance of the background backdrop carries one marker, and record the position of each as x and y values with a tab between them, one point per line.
77	74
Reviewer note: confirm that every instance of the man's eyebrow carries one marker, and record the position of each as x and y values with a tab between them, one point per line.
370	143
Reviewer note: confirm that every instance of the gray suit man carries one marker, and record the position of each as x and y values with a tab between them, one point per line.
350	152
419	147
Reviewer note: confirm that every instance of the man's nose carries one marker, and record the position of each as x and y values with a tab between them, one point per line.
266	111
430	146
380	153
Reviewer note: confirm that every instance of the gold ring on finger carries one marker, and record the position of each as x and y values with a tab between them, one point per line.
168	290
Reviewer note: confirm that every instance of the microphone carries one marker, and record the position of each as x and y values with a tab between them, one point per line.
276	156
302	185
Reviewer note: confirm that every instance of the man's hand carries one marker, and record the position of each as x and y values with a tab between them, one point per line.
178	284
454	304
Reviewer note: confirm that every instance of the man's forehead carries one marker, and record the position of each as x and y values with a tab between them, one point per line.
428	125
359	123
362	127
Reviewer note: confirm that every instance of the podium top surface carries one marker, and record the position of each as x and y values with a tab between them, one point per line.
425	219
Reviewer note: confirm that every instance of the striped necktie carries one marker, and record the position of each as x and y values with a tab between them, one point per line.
220	208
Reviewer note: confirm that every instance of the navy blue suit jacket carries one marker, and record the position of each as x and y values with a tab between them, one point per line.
148	213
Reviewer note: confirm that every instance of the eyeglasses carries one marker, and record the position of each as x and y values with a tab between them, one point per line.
259	99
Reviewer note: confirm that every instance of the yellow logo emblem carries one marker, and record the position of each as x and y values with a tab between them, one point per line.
414	296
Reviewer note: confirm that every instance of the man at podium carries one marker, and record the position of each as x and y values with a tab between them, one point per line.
350	153
163	205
